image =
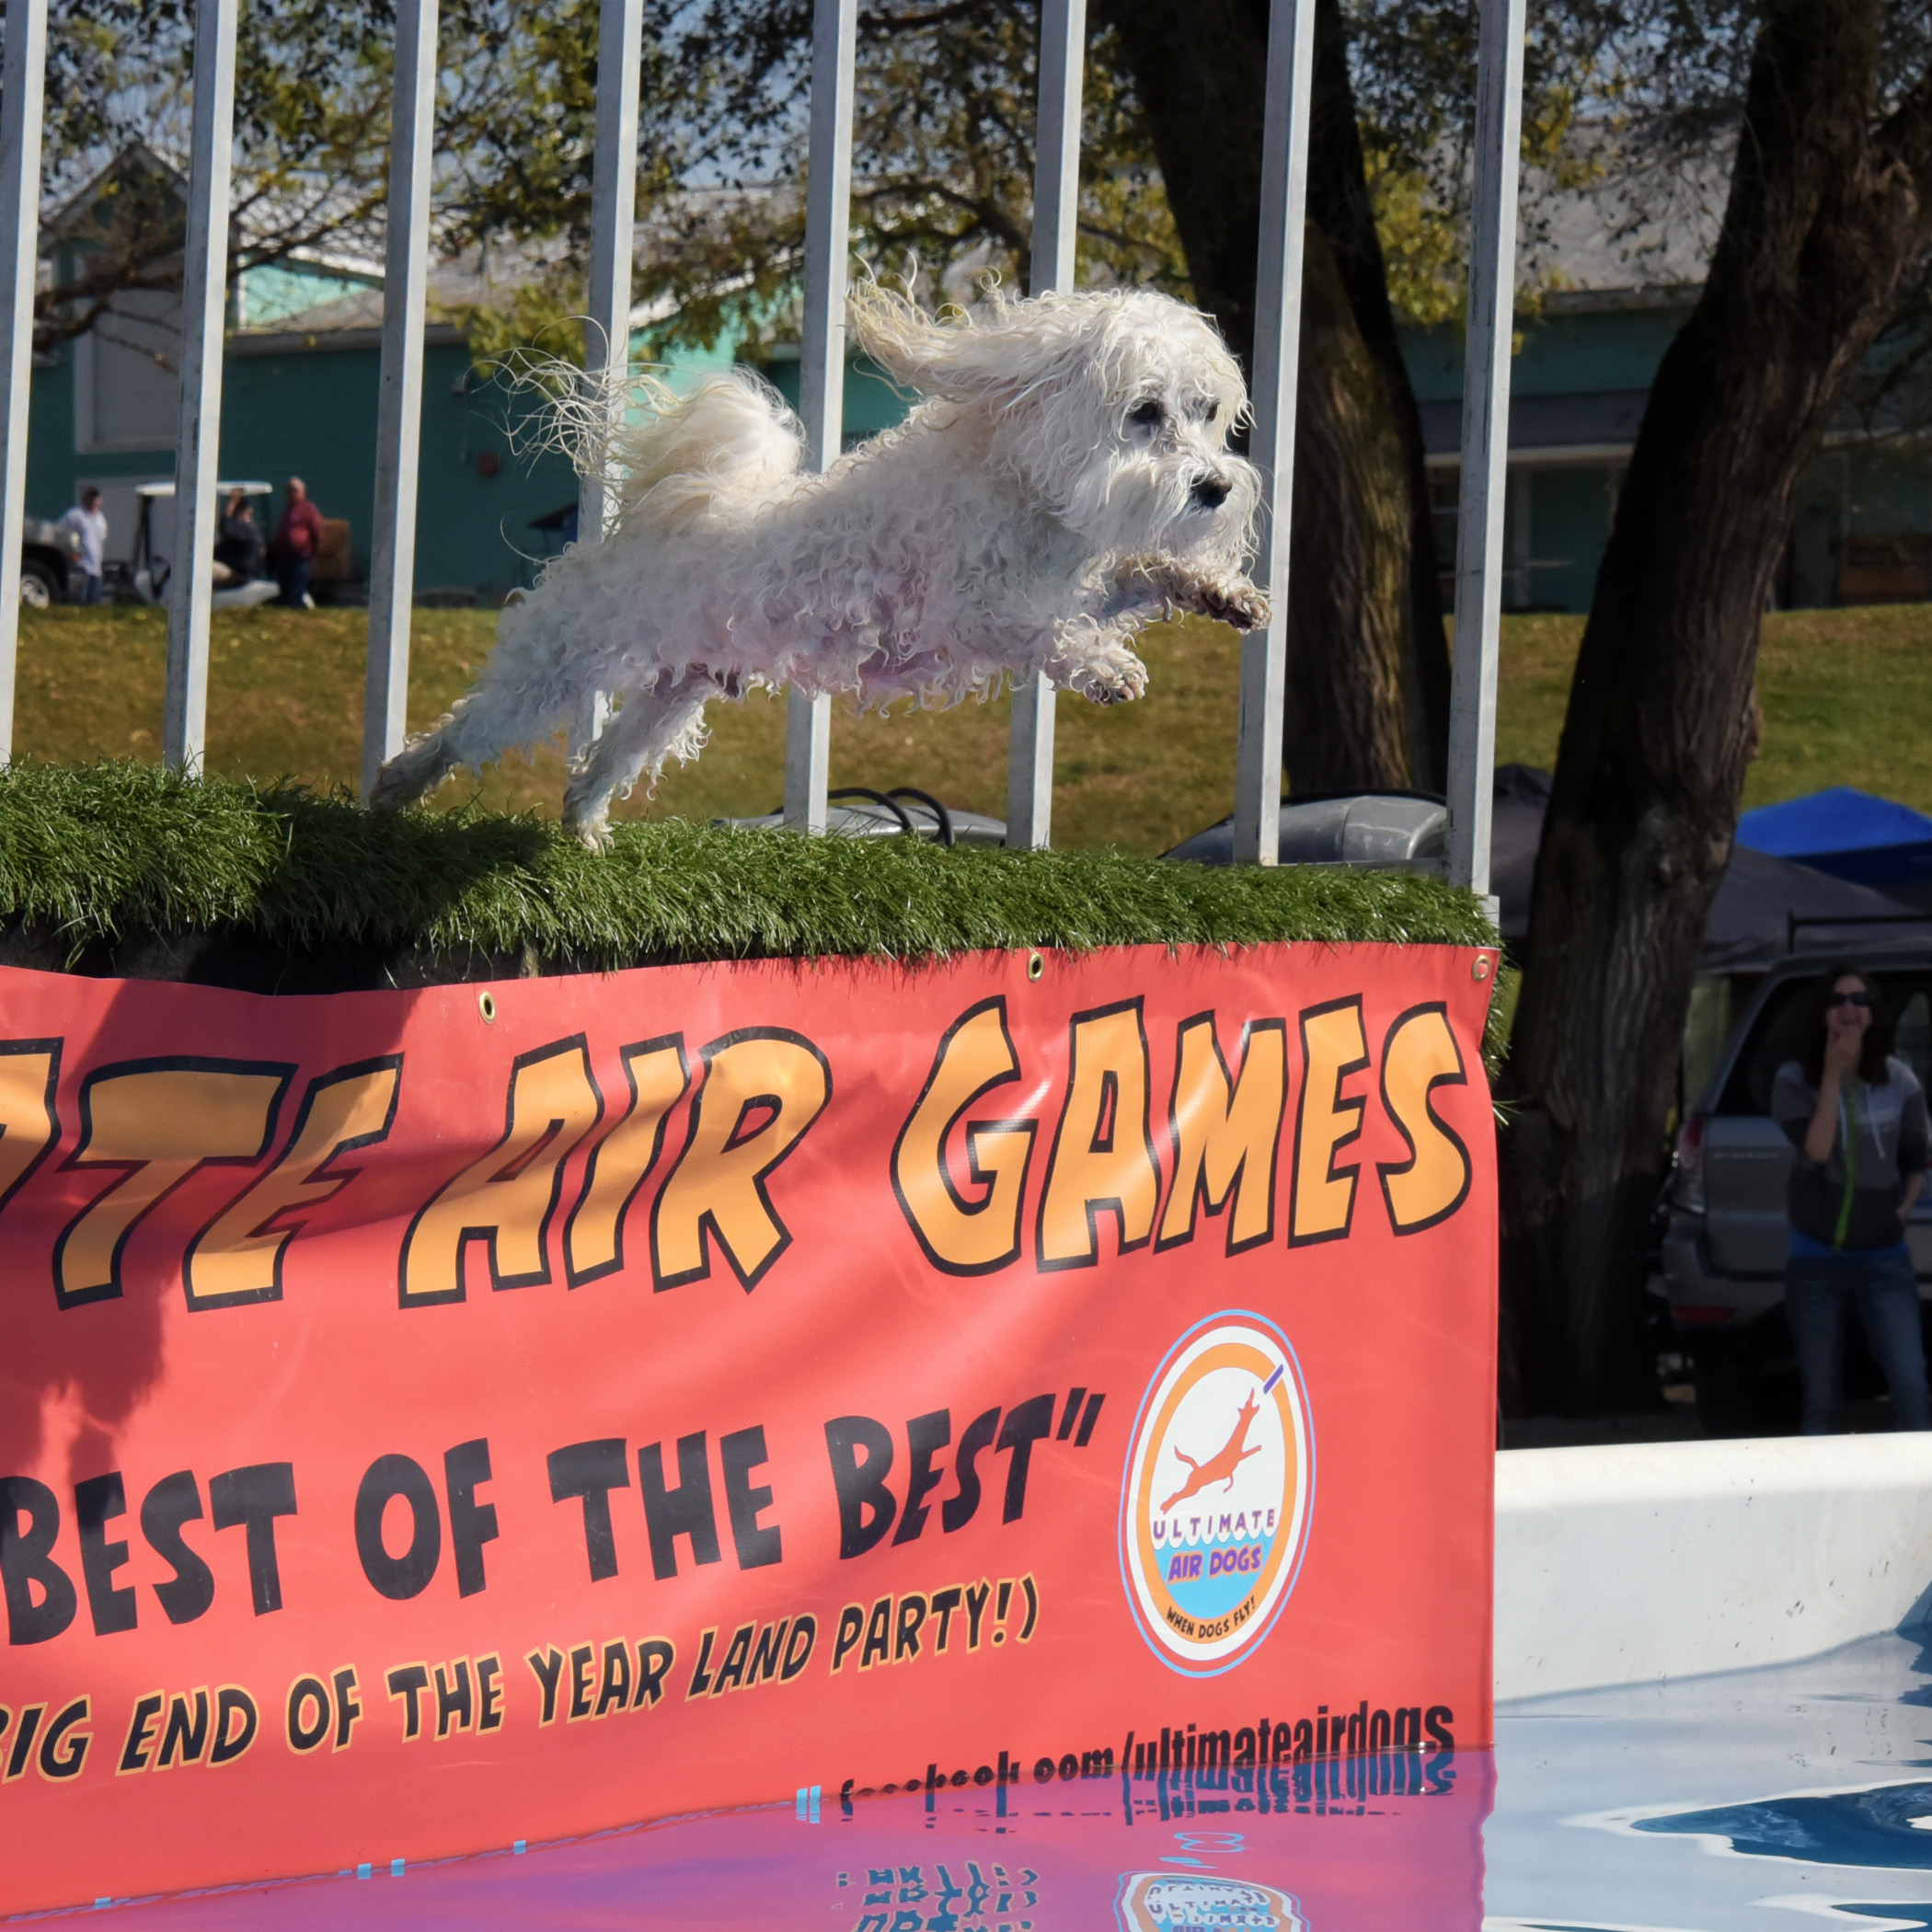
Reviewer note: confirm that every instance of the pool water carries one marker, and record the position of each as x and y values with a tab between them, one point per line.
1794	1797
1799	1796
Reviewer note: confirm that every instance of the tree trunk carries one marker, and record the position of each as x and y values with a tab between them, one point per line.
1824	217
1356	720
1368	666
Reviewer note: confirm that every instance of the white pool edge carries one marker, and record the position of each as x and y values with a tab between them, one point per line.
1630	1563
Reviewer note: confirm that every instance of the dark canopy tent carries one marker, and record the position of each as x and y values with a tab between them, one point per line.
1751	923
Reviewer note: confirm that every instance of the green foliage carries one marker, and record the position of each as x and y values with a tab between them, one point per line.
1419	167
115	849
943	159
312	107
944	155
943	128
513	339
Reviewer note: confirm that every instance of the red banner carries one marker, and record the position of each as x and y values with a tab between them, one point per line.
441	1419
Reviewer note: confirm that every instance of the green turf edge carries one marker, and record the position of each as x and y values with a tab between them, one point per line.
119	849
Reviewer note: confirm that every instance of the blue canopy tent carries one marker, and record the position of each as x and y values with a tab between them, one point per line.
1849	834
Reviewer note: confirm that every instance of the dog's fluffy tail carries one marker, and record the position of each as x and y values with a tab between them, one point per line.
668	460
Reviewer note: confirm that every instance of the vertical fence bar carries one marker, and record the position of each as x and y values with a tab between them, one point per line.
1278	347
399	435
1485	454
21	95
205	287
614	222
1056	209
822	367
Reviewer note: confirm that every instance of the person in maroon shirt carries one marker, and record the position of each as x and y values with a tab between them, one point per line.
297	538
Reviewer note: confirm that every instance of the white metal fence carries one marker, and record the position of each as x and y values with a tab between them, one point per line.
1479	569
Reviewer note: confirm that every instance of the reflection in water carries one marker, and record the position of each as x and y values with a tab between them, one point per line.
1387	1843
1169	1902
1637	1809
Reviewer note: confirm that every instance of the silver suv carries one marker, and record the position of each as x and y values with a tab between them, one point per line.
1725	1233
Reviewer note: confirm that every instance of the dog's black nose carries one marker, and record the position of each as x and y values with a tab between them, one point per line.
1211	492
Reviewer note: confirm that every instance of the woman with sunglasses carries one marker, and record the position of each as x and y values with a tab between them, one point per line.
1856	1116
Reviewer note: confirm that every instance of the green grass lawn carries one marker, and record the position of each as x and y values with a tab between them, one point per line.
285	699
1846	696
1844	693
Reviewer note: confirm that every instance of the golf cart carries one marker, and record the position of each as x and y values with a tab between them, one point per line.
50	563
148	573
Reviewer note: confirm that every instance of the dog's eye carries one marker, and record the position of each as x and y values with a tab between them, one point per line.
1148	415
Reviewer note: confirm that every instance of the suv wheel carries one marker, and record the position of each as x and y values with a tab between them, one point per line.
39	592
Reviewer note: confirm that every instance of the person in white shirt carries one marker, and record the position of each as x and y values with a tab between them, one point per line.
89	522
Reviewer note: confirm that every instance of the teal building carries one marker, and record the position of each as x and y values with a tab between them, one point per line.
303	355
1862	532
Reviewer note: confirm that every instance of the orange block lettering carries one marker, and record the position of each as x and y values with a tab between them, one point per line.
1420	1055
1333	1048
593	1235
1103	1159
506	1200
29	1071
157	1121
959	1234
238	1256
1225	1134
762	1088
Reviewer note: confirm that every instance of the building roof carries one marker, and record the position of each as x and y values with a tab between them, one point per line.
138	164
1599	425
1638	230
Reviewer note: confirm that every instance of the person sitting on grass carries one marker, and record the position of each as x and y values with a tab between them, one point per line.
1857	1117
297	538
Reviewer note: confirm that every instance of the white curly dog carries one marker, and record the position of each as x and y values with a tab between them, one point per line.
1064	482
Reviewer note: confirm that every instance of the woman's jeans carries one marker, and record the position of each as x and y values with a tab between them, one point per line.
1883	1287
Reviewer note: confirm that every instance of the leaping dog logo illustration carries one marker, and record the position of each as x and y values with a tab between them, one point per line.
1222	1465
1205	1580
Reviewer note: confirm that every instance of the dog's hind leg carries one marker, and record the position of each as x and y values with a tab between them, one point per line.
534	683
651	728
495	718
421	765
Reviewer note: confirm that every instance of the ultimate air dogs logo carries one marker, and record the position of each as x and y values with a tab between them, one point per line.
1173	1902
1220	1479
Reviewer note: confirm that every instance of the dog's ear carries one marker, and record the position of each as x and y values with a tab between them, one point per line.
966	361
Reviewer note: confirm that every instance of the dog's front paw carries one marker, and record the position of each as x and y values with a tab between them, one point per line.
1117	679
1239	605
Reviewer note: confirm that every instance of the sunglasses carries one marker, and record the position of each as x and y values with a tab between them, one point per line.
1848	999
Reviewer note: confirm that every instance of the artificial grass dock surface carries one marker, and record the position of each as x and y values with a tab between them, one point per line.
123	867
